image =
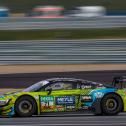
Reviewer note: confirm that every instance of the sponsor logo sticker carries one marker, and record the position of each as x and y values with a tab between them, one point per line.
99	94
47	102
86	98
60	108
65	100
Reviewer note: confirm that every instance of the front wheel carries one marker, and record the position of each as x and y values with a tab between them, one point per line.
111	104
25	106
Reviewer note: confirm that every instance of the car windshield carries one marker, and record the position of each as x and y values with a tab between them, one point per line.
36	86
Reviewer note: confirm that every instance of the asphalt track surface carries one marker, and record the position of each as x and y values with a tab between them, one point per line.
66	120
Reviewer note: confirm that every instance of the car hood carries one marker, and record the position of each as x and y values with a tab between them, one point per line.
8	95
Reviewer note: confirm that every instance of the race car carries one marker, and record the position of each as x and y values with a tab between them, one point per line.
66	95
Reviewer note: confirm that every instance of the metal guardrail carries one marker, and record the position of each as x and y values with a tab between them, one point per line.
62	52
25	23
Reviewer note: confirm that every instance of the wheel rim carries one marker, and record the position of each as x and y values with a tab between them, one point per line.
111	104
25	106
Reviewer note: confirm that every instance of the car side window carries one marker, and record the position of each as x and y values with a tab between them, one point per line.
61	86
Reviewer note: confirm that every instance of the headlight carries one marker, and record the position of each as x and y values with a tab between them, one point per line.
4	102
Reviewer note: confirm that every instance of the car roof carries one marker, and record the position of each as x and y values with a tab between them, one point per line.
70	79
64	79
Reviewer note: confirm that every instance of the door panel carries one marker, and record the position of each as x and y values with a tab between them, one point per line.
61	100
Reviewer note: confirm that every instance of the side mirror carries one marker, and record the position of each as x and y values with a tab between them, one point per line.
49	91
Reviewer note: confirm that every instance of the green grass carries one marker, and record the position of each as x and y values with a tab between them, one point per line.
63	34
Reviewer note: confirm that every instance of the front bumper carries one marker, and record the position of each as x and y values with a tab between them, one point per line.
7	109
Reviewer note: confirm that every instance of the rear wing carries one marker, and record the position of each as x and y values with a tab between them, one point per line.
119	81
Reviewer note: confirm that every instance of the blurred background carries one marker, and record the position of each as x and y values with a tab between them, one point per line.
116	7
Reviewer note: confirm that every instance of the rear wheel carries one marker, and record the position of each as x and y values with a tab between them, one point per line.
25	106
111	104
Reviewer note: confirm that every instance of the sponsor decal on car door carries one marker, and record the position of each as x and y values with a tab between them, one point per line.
63	97
54	103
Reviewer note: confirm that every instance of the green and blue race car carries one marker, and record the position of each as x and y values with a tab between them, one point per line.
66	95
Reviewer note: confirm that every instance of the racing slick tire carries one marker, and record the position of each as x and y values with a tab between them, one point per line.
25	106
111	104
